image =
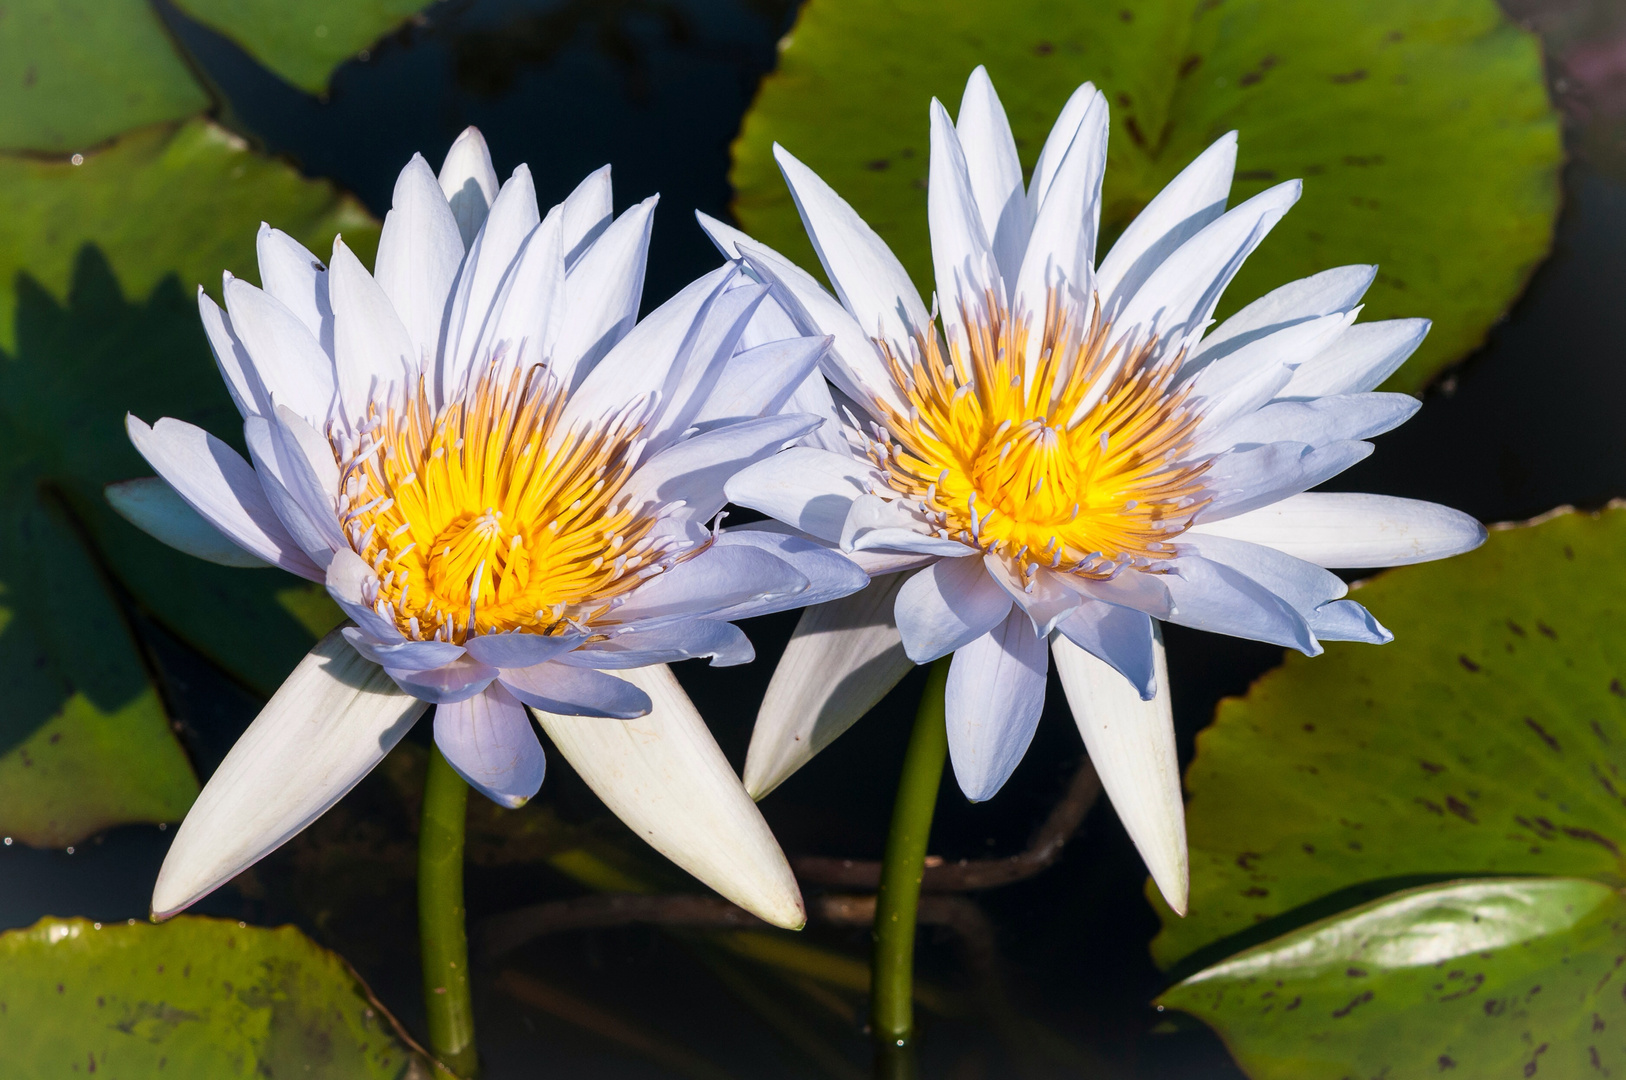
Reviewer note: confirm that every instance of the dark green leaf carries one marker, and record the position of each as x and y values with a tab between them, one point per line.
1501	977
1488	739
74	73
1421	127
192	998
303	40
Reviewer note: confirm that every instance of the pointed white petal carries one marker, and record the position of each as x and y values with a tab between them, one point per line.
307	467
573	690
1354	530
993	700
232	359
1057	143
664	775
530	312
1326	293
312	539
874	522
1131	745
152	506
700	361
961	259
287	360
331	721
402	655
447	684
297	278
1318	422
868	278
1214	597
830	574
1177	213
717	578
1121	637
1243	480
519	649
602	293
1303	584
469	181
369	341
353	586
810	489
761	381
995	172
419	253
693	470
587	213
842	659
488	741
950	603
217	483
724	643
472	311
1361	358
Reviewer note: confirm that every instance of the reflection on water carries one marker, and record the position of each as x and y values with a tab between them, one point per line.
657	87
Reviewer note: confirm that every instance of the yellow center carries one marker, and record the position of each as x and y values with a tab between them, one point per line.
1083	468
484	517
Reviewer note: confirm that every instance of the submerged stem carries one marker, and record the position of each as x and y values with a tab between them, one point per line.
892	1018
441	932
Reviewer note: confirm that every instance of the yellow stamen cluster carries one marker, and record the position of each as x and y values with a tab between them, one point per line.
482	516
1082	466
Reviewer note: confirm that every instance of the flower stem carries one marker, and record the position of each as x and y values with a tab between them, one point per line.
892	1018
441	933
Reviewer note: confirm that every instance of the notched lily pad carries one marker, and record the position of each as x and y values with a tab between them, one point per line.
192	998
74	73
303	40
1500	977
1421	127
1488	739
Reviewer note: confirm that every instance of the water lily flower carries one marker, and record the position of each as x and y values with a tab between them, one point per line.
1064	452
505	482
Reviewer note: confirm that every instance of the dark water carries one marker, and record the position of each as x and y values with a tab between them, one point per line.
657	88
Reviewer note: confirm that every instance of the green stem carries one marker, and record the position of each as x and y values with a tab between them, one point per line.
441	933
892	1015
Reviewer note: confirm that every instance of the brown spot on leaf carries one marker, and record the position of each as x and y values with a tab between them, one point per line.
1467	664
1256	174
1430	767
878	165
1446	1062
1430	805
1044	48
1516	628
1546	630
1592	837
1543	734
1247	859
1349	76
1616	689
1135	134
1190	64
1359	999
1461	809
1254	890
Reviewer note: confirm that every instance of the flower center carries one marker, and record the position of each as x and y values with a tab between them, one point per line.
483	516
1082	465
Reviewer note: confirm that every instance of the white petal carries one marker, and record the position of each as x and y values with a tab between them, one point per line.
153	506
1061	250
1131	745
1329	292
1214	597
488	741
1303	584
1180	295
1354	530
1243	480
472	312
602	292
950	603
216	482
1345	620
231	357
961	258
1059	141
1361	358
842	659
587	213
402	655
874	522
469	181
1122	638
315	541
761	381
307	467
287	360
694	470
1130	589
1180	211
331	721
1241	381
664	776
1046	596
1318	422
570	690
518	649
995	172
868	278
700	361
419	253
725	643
994	697
297	278
810	489
448	684
717	578
529	313
353	586
369	341
829	573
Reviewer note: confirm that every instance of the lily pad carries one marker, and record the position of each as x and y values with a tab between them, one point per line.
1489	739
193	998
1421	127
74	73
303	40
1502	977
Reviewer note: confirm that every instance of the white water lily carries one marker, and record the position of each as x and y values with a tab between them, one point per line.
506	485
1074	455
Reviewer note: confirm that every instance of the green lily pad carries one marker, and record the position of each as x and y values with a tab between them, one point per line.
303	40
192	998
1501	977
74	73
1421	127
1489	739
